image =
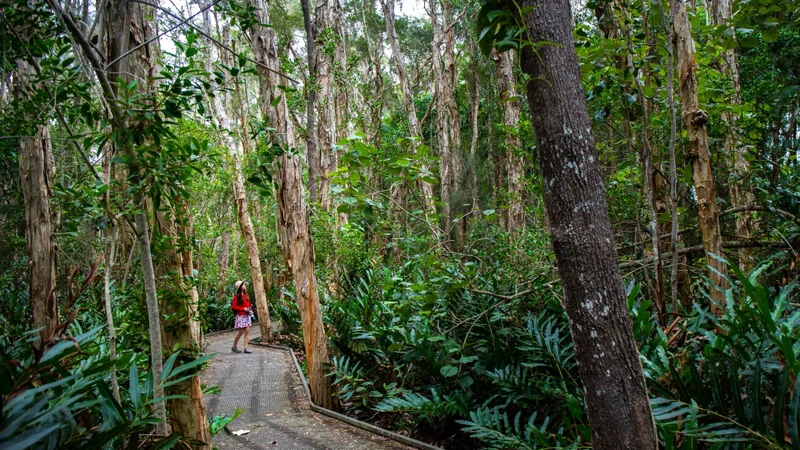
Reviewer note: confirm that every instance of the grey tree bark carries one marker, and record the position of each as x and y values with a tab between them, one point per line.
126	25
617	402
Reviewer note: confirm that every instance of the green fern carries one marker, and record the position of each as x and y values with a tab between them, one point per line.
497	431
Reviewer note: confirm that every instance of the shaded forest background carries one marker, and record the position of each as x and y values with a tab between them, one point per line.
383	195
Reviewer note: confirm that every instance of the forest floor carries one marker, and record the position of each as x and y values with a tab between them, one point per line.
265	384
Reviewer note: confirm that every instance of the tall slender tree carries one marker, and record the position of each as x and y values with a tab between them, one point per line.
36	180
424	187
234	145
514	163
721	14
293	223
695	120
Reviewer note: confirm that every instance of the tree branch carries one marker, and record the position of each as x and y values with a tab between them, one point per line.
699	248
207	36
168	30
94	59
777	211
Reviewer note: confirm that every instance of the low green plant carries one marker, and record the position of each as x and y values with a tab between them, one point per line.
220	422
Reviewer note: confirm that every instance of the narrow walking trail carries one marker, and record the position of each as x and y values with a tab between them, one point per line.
276	410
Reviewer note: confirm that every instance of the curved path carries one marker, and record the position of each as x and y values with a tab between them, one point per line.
276	410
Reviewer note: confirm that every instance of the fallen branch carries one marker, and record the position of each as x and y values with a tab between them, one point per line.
753	208
699	248
505	299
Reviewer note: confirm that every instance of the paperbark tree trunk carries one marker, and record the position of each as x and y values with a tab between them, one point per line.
741	196
112	234
513	161
243	213
312	155
617	402
188	414
474	112
695	121
187	266
425	188
222	261
329	61
446	183
36	172
448	117
128	26
293	225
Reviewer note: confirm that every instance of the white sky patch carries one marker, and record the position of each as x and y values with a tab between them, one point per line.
412	8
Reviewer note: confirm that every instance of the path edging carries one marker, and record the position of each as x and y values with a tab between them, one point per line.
347	419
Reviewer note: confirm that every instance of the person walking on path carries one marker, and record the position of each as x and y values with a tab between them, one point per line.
244	315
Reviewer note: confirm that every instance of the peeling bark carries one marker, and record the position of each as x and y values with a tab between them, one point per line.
695	121
223	258
188	414
741	197
329	61
36	172
126	26
514	163
617	402
293	225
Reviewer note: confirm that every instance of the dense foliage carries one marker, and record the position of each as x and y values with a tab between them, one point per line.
443	316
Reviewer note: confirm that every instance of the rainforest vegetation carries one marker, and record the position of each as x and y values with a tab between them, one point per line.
482	224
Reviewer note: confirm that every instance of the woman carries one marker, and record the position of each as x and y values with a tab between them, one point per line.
241	306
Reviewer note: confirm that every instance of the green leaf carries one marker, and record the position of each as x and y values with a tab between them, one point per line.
448	371
28	439
133	387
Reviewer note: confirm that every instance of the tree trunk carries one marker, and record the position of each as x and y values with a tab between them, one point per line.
243	213
153	317
457	190
741	196
312	153
222	261
617	402
127	26
649	172
187	266
188	414
673	166
253	257
448	117
36	172
446	182
513	161
292	217
474	111
695	121
425	189
329	60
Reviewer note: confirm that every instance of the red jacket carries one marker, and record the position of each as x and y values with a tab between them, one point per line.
239	308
